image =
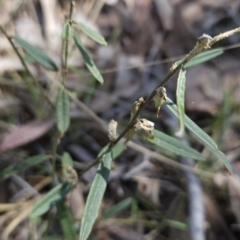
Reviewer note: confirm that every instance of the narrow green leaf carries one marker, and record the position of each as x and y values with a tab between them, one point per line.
181	82
224	159
95	196
171	144
203	57
50	199
176	224
123	205
92	34
192	126
88	61
63	111
66	221
66	32
116	150
200	134
37	54
67	160
22	166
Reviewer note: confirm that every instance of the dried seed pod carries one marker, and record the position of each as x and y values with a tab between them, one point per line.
203	41
112	130
145	128
70	174
136	106
134	109
160	98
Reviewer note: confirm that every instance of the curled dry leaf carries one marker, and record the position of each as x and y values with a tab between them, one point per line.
70	174
160	98
112	130
24	134
145	128
134	109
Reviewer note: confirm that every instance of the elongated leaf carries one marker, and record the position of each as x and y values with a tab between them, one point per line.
203	57
37	54
92	34
66	32
63	111
116	150
66	220
181	99
176	224
200	134
95	196
50	199
192	126
126	203
171	144
23	166
88	61
224	159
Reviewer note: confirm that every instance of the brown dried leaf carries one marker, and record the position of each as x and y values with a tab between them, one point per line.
24	134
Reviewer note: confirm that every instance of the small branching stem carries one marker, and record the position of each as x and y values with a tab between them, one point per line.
203	43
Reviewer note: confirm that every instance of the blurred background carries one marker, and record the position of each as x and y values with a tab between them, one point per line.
150	195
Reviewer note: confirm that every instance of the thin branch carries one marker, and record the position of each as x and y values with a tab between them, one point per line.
65	46
26	67
58	136
224	35
153	63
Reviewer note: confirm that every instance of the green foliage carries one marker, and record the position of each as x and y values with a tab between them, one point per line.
181	99
200	134
50	199
63	111
87	60
66	32
95	196
92	34
22	166
176	224
173	145
116	150
203	57
37	54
